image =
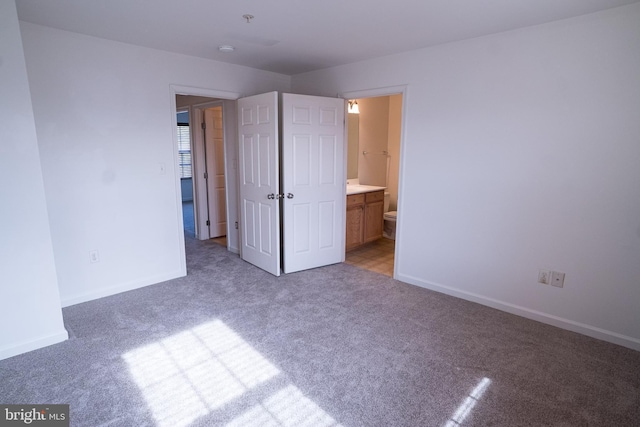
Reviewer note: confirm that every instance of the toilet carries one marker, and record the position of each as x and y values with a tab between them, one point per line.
389	219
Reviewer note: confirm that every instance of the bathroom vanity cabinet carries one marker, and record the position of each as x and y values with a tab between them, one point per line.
365	218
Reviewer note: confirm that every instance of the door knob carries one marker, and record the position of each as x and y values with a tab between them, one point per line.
271	196
289	196
279	196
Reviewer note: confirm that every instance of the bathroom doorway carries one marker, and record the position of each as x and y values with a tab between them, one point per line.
373	159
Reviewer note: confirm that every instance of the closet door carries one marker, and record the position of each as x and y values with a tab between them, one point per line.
259	181
313	181
214	152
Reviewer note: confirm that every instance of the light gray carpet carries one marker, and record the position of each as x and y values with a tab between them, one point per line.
232	345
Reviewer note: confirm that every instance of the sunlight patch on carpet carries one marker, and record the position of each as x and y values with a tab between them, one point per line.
190	374
465	408
289	408
196	372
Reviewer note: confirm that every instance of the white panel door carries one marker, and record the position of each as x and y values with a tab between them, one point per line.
214	140
259	181
313	178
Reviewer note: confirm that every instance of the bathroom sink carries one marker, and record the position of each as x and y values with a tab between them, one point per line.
358	189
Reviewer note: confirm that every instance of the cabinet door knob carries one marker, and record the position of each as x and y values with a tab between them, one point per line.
289	196
271	196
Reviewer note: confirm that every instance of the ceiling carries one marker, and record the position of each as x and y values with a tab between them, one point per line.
296	36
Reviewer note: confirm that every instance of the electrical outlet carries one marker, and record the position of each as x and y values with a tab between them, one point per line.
557	279
94	257
543	277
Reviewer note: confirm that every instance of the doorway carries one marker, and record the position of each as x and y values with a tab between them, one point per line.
199	96
374	149
201	155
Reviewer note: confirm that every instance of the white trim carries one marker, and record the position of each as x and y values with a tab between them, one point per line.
371	93
200	210
123	287
570	325
198	91
230	138
345	175
26	346
177	185
209	104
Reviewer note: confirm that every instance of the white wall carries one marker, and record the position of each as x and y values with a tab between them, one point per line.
395	134
374	136
353	144
521	152
230	117
30	316
105	118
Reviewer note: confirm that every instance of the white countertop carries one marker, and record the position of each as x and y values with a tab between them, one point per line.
359	189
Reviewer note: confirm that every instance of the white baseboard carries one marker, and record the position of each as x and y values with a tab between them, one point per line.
34	344
116	289
570	325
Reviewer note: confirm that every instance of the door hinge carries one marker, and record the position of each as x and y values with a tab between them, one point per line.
204	125
208	222
236	225
206	175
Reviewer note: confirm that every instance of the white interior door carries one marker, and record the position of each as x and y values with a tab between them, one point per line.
259	181
313	175
214	140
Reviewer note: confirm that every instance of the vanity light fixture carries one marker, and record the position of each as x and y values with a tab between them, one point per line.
353	107
226	48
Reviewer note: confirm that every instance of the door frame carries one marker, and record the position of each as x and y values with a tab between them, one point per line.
210	93
388	91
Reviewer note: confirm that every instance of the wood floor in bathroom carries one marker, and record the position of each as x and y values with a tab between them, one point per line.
376	256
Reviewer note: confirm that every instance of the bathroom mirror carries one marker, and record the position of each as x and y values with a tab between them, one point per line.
353	145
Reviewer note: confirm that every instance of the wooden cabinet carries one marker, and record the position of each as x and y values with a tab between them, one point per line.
365	218
355	221
373	216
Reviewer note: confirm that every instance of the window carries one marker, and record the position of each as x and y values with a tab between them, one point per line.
184	150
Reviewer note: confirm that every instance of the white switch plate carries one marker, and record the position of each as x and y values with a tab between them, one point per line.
543	276
557	279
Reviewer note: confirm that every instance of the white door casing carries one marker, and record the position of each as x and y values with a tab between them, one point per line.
313	181
214	140
259	181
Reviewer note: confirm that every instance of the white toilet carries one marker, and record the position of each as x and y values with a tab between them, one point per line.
389	219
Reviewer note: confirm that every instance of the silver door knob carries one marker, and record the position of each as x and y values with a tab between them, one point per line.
271	196
289	196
